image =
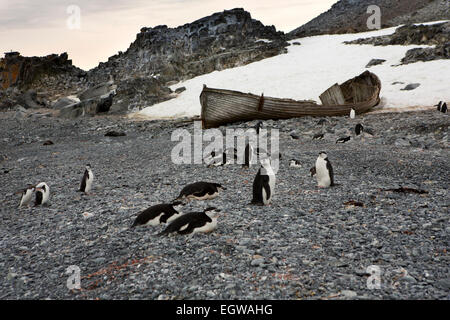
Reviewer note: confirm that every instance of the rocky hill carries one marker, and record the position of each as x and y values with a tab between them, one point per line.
163	56
158	58
350	16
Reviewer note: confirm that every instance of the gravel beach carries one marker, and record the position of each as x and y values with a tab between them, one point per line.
310	243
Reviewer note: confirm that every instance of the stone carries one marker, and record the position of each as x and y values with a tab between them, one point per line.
375	62
65	101
411	86
180	89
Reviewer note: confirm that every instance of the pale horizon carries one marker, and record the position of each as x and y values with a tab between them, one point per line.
107	27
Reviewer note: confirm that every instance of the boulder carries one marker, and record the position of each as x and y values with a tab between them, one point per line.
101	89
375	62
29	100
91	107
411	86
65	101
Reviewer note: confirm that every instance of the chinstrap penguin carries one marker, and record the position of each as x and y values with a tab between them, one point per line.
264	184
295	163
359	129
343	140
86	181
158	214
441	106
200	191
194	222
324	171
27	195
42	193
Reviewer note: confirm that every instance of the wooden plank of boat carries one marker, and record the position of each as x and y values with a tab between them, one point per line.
220	106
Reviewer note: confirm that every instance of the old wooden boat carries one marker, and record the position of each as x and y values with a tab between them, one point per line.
221	106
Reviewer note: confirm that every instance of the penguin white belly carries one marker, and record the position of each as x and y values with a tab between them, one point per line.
205	197
26	198
89	181
153	222
208	227
174	216
45	196
322	174
272	190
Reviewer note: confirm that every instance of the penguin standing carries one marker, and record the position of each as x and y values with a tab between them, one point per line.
158	214
248	155
200	191
441	106
324	171
42	193
194	222
27	195
86	181
352	113
359	129
264	184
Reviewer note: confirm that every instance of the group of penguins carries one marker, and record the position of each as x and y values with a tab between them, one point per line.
206	220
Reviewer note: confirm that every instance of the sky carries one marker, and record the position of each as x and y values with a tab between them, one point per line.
90	31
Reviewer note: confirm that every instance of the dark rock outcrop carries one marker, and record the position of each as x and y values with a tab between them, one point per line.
375	62
159	57
163	56
350	16
16	70
427	54
435	34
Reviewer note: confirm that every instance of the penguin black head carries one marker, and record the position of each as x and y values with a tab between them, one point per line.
177	204
323	155
211	212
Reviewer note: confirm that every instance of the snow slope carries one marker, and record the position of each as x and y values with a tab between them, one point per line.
309	69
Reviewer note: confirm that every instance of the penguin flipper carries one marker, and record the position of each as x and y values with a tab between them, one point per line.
330	170
257	189
265	179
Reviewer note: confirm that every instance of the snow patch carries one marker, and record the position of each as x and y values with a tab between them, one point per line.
308	70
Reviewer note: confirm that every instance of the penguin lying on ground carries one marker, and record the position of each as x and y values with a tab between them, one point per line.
200	191
343	140
158	214
294	163
42	193
193	222
318	136
264	184
324	171
27	195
